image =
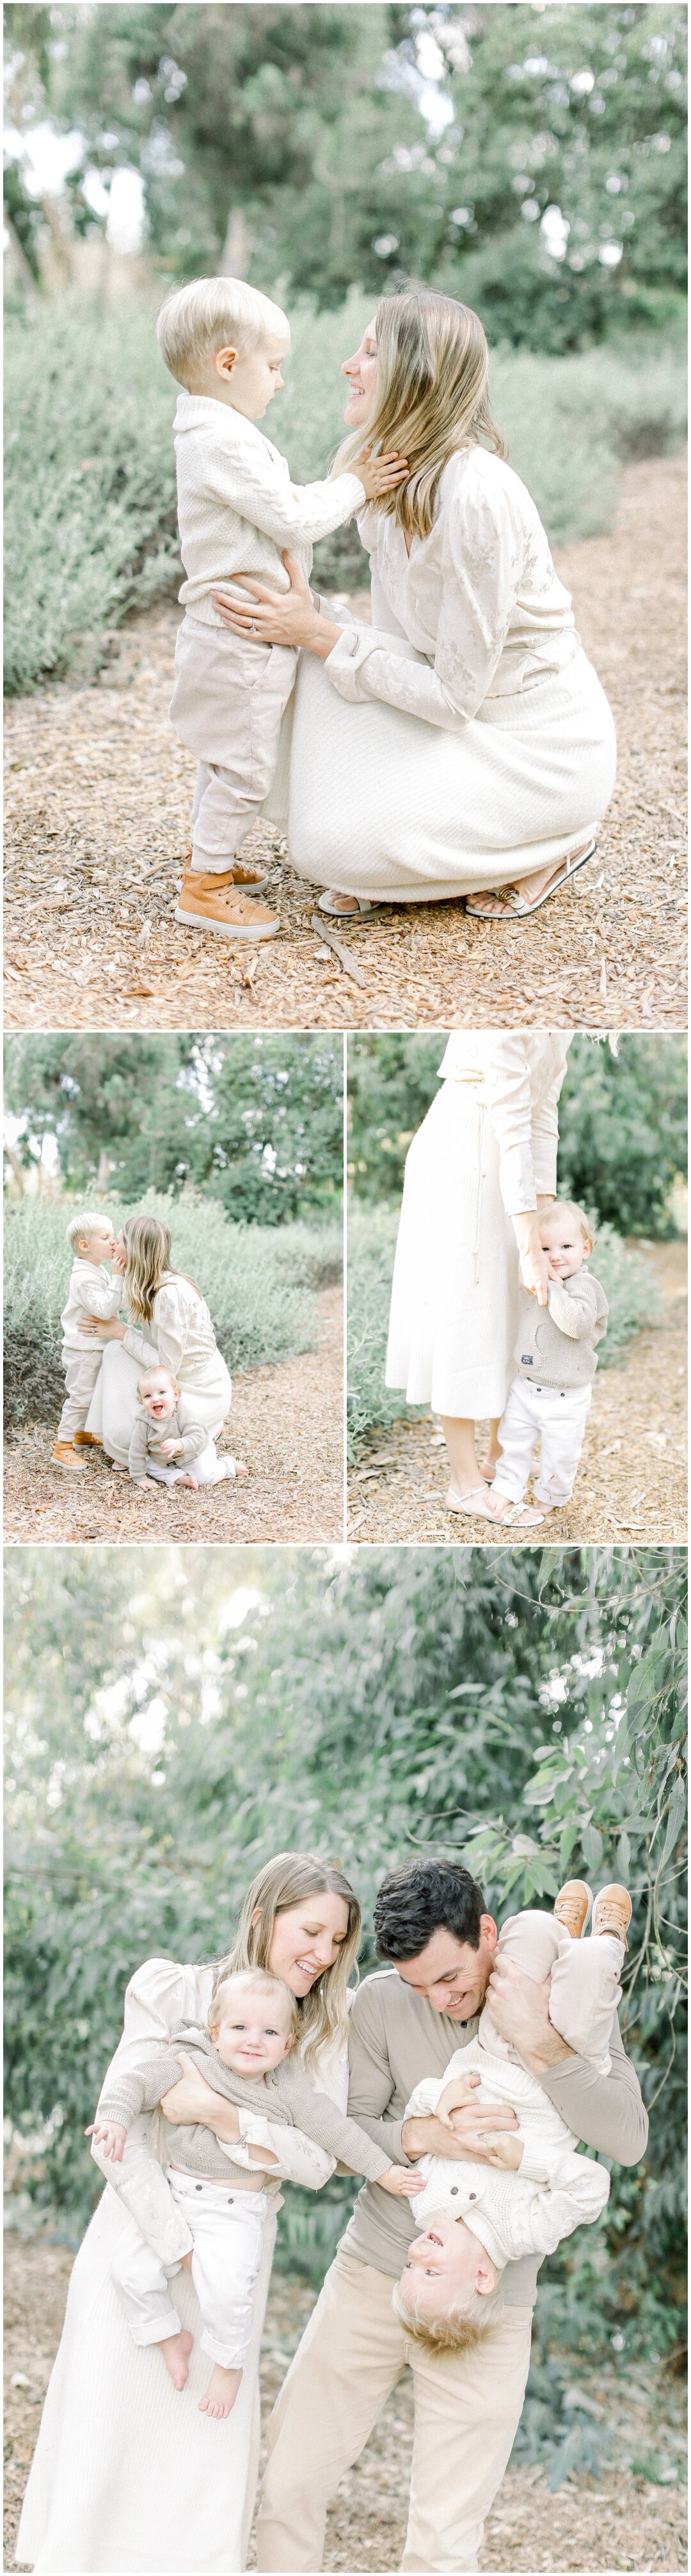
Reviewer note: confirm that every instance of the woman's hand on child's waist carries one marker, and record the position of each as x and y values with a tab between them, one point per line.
194	2099
277	617
111	1330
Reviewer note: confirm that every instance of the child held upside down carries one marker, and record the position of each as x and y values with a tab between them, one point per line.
244	2054
534	2188
159	1448
550	1396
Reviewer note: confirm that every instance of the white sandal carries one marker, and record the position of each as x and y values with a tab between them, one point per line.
514	903
518	1515
344	912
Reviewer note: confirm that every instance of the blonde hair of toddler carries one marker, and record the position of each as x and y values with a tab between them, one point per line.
156	1370
214	313
567	1207
255	1981
80	1227
455	2329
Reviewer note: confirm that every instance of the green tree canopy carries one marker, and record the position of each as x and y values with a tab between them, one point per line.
254	1122
552	197
622	1122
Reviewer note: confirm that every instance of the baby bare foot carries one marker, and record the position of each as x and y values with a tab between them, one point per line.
219	2397
190	1480
176	2351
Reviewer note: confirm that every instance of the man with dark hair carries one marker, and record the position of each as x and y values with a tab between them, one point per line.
406	2022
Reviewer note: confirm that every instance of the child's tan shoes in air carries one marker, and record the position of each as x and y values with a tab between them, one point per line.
573	1907
611	1910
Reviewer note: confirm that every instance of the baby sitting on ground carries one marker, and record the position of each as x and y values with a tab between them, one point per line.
91	1291
550	1396
534	2188
244	2054
160	1450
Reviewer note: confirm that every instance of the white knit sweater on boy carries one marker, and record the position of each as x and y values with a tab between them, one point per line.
91	1291
513	2213
237	507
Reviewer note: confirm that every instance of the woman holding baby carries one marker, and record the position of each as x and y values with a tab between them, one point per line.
169	1324
128	2473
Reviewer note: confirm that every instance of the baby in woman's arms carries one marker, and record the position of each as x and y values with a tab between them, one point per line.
476	2217
238	512
556	1353
160	1449
245	2055
91	1291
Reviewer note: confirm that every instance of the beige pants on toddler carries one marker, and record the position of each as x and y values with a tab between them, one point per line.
584	1983
227	706
81	1371
467	2411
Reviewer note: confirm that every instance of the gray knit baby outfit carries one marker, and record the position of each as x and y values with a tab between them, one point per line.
286	2096
148	1438
556	1342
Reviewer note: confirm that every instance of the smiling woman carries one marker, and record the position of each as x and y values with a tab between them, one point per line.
469	696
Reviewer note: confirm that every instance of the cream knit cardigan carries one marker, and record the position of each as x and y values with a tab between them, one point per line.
237	507
92	1291
528	2212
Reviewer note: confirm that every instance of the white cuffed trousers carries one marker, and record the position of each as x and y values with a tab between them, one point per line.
227	2229
81	1371
556	1417
227	706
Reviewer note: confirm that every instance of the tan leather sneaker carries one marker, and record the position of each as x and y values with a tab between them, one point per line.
86	1440
215	903
65	1456
573	1907
239	873
612	1912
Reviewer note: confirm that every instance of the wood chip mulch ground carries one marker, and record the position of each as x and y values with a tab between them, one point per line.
97	804
286	1423
631	1482
632	2517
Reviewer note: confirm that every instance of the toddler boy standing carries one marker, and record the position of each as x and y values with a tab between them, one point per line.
237	512
550	1396
91	1291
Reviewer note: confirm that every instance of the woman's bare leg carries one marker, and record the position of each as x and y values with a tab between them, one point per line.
493	1451
460	1442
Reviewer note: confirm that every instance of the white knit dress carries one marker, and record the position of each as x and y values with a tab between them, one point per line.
484	1153
463	739
181	1337
127	2475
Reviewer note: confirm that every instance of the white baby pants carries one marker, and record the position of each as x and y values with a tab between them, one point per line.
227	706
584	1983
81	1371
227	2228
557	1418
208	1469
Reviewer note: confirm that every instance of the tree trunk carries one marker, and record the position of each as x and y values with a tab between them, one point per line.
236	247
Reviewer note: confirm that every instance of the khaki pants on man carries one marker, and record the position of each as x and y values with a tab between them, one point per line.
467	2410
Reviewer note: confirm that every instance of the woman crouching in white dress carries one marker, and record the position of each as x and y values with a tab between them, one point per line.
462	742
169	1322
128	2474
478	1174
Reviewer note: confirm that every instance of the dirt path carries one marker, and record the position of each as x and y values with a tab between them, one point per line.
632	1478
287	1425
98	796
626	2520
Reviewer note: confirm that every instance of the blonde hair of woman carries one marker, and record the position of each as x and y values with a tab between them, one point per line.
283	1883
148	1247
431	398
